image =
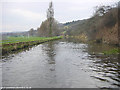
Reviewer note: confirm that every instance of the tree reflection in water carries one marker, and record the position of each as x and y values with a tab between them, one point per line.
50	51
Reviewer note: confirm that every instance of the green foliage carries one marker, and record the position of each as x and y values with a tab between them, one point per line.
112	51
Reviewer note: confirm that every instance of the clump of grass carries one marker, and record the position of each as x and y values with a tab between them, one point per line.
112	51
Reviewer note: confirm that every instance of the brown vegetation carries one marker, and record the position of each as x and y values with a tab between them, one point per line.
101	27
43	31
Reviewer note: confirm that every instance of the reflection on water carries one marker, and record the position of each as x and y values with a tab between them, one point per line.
63	64
13	53
0	74
106	67
50	51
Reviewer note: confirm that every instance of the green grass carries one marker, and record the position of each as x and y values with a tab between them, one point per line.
11	40
15	43
112	51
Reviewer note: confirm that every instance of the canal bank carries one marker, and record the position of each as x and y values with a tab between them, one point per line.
11	47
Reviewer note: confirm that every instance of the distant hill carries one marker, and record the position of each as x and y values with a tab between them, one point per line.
15	34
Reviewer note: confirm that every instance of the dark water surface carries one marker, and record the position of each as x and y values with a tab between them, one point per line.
62	64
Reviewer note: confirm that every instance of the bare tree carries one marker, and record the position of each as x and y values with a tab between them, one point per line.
101	10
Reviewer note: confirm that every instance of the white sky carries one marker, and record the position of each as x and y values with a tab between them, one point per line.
22	15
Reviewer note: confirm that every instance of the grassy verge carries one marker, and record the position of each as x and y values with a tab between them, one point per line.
112	51
11	40
16	43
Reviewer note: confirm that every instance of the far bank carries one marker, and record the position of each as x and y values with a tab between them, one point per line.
12	44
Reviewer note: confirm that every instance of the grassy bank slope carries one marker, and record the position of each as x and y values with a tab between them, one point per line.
15	43
12	40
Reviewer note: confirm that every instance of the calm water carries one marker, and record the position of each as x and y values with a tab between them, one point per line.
62	64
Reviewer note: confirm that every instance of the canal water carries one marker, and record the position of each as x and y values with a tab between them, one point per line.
62	64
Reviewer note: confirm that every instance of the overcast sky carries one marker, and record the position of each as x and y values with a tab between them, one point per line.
22	15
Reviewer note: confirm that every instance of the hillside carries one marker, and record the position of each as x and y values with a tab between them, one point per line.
101	27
